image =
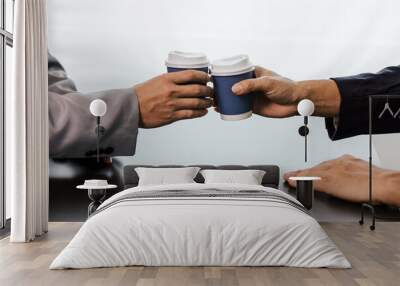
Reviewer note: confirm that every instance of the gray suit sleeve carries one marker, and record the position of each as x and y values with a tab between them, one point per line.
72	126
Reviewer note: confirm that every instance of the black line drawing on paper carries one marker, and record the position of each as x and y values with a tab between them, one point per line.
397	113
387	108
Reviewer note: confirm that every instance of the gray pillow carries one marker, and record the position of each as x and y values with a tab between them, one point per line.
166	176
247	177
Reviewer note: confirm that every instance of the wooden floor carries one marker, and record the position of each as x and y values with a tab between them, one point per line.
375	257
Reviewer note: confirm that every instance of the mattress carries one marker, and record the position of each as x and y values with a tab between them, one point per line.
201	225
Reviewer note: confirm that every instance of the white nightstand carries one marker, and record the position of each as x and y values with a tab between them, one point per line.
96	194
305	190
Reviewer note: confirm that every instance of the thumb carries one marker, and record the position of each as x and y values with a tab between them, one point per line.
287	175
251	85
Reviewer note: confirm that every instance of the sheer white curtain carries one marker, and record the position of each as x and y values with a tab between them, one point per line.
27	124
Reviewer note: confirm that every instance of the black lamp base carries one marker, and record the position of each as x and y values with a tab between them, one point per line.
97	197
305	193
303	130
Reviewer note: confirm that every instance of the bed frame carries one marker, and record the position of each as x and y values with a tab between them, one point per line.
270	179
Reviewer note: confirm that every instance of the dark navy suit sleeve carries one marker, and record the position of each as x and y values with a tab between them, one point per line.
353	116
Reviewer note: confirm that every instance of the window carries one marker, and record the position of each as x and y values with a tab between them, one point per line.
6	43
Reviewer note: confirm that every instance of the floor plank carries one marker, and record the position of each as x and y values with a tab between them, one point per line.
375	257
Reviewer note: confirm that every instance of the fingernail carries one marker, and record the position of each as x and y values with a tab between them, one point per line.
287	175
237	88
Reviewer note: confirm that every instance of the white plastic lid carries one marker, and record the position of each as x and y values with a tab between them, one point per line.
177	59
231	66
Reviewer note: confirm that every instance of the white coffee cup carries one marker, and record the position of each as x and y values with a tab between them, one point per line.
179	61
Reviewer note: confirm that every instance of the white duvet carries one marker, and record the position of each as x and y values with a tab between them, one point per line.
200	231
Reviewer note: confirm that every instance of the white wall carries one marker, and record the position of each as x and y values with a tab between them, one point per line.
109	44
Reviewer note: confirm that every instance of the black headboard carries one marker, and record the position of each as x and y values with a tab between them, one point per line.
271	177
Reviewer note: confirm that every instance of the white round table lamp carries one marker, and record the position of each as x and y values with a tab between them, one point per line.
305	108
98	108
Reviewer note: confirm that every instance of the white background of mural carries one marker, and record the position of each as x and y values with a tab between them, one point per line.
112	44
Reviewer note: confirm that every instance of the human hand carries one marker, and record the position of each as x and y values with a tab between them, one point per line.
277	96
173	96
347	178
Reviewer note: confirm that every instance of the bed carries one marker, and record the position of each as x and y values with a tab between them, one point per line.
198	224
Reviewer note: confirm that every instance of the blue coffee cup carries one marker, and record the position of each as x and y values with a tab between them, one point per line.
171	69
226	73
180	61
